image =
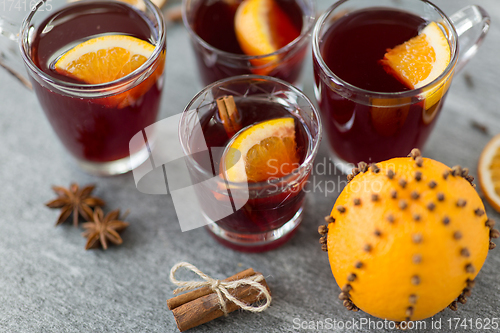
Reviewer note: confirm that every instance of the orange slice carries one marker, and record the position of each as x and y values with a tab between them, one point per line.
262	28
104	59
389	114
489	172
421	59
108	58
268	150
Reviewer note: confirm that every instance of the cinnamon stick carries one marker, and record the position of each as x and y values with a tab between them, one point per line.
229	115
177	301
206	308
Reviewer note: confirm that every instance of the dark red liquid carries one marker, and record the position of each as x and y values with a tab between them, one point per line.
267	208
352	48
213	21
95	130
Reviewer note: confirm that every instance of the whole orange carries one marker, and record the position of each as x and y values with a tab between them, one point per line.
406	238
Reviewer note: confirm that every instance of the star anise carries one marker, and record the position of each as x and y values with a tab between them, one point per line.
103	228
74	200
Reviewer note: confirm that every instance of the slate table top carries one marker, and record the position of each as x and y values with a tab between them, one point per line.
49	283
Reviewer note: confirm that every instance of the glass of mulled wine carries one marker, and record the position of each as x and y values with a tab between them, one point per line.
370	114
235	37
258	170
95	121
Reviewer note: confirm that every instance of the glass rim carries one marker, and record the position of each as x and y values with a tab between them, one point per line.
101	89
306	29
374	94
313	145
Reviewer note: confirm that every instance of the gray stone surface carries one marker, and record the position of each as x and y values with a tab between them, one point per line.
48	283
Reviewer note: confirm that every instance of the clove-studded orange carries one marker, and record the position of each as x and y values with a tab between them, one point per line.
407	237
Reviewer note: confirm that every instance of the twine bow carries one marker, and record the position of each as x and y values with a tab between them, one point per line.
221	287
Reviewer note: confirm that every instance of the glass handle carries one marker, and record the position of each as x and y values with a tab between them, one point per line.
472	24
10	59
6	28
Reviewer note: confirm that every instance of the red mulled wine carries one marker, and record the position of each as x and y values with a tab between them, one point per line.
219	54
380	129
268	208
95	129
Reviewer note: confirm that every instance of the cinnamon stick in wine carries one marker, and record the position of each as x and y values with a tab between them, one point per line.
228	113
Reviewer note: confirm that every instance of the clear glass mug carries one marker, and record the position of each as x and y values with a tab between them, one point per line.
371	126
215	64
250	217
94	122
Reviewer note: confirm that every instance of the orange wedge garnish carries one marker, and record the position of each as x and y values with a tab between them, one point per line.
267	149
262	28
106	59
418	62
421	59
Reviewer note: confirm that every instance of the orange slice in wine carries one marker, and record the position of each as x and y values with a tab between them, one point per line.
418	62
109	58
267	149
421	59
262	27
104	59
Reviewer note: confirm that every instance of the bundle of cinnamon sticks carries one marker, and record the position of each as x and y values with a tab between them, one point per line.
203	305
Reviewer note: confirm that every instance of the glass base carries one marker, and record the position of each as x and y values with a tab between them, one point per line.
340	164
262	242
117	167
